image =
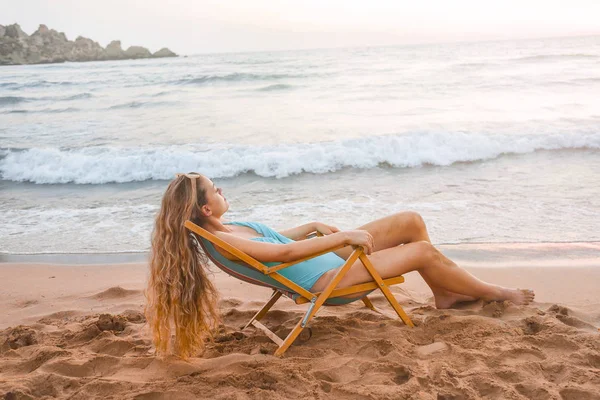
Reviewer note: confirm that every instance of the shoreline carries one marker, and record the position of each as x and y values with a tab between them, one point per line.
549	254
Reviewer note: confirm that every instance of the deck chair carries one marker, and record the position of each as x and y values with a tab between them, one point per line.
253	271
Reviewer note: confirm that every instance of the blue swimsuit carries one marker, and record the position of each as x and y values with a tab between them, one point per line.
305	273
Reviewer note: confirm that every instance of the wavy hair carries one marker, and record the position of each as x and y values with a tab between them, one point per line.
179	292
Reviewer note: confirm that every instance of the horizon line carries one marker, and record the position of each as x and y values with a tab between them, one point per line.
415	44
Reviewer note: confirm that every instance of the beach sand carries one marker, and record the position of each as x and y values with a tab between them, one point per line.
78	332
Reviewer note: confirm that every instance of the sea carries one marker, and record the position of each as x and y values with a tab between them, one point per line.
491	142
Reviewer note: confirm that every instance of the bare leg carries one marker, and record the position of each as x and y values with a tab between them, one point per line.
443	273
449	283
402	228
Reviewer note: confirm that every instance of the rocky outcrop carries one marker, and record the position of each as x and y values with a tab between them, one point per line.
137	52
49	46
164	52
114	51
14	31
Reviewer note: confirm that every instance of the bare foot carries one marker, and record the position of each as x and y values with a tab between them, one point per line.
447	299
519	296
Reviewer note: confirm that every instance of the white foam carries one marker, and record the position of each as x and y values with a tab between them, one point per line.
118	228
100	165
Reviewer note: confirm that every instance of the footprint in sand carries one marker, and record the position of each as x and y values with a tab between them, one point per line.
563	314
20	336
169	395
533	325
97	365
555	308
518	356
341	374
533	391
579	394
111	345
108	322
575	322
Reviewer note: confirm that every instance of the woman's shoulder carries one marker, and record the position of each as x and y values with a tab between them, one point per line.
259	227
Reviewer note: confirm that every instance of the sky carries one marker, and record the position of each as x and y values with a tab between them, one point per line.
214	26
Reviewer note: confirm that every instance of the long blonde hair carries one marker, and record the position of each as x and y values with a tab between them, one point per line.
178	286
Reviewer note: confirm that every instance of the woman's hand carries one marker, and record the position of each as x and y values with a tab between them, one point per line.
324	229
360	238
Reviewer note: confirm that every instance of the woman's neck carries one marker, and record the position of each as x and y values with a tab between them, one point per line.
214	224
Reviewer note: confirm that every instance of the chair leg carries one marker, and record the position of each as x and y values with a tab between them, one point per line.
368	303
372	307
290	338
317	302
261	313
386	290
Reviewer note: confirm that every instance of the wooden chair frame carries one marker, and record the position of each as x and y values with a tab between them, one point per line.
316	299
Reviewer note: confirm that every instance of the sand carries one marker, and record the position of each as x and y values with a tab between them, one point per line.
78	332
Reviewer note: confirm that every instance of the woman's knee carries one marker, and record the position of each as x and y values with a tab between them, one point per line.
412	218
429	257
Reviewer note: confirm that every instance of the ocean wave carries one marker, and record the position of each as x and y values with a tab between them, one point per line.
586	81
79	96
275	87
99	165
37	84
43	111
139	104
163	93
9	100
64	222
235	77
15	112
556	57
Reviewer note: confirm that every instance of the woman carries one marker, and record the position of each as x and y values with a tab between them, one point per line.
179	288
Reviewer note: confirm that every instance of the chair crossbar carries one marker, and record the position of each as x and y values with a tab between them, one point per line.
363	287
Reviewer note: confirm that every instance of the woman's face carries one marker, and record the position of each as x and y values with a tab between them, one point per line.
216	203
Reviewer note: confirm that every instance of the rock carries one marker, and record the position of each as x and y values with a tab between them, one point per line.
137	52
435	347
42	29
164	52
47	45
114	51
14	31
85	49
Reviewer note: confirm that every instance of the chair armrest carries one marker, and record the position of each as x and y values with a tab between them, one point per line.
312	235
289	264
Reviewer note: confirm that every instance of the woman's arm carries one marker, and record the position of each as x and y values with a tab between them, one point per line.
271	252
300	232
